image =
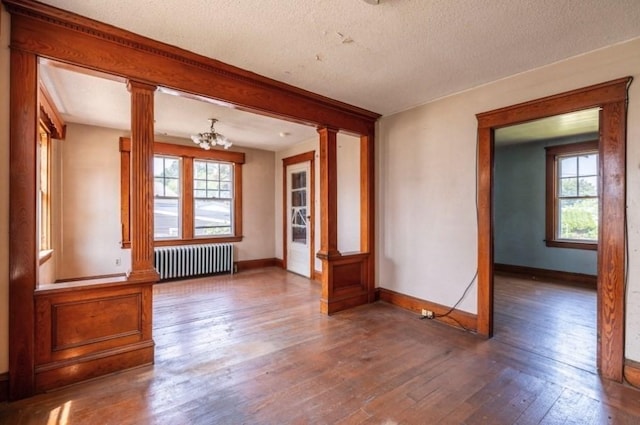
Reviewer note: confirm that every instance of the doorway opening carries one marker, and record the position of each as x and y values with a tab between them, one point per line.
545	215
611	99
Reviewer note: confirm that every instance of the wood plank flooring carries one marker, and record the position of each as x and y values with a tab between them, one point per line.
253	349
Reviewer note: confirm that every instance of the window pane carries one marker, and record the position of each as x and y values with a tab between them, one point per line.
568	167
212	171
158	166
200	170
200	184
225	172
568	187
588	186
578	219
172	167
212	217
166	218
588	164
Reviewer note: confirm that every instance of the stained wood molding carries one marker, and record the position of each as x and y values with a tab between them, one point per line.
632	372
317	276
244	265
536	273
611	97
87	278
455	318
79	40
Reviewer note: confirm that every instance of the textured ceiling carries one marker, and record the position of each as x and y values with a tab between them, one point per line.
385	58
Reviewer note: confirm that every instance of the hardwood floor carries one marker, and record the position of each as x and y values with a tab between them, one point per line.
253	348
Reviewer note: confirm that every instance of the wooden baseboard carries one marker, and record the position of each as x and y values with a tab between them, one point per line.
4	387
317	276
456	318
632	373
279	263
64	373
534	273
102	276
241	266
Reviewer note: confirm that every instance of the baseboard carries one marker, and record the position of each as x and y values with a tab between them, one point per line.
242	266
457	318
59	374
534	273
632	373
4	387
102	276
317	276
279	263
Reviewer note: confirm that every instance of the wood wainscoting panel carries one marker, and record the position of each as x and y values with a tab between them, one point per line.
348	282
79	323
457	318
88	331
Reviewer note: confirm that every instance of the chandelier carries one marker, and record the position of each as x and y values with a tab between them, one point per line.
210	138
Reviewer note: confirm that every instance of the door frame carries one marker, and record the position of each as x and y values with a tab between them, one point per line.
293	160
611	98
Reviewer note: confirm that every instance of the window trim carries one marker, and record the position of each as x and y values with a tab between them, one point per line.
551	207
187	154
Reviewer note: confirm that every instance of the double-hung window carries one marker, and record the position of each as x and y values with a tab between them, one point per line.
572	196
197	194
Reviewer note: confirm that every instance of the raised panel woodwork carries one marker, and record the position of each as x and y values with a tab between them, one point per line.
88	322
345	282
81	325
347	276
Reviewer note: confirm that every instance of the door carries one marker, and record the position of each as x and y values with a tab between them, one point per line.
298	219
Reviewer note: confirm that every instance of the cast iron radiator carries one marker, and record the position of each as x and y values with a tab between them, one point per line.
193	260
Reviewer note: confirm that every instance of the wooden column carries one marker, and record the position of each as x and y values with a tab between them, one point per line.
367	208
328	211
142	182
328	193
23	260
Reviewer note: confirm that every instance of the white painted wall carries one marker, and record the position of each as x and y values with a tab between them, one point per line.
4	190
90	203
427	229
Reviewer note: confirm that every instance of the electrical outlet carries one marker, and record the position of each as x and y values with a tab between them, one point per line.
117	261
427	313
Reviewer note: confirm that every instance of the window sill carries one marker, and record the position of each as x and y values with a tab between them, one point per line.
195	241
45	255
573	245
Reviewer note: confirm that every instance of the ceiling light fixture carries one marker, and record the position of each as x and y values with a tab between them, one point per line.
210	138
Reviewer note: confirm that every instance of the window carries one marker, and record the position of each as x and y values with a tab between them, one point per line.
572	196
197	194
166	199
44	202
213	197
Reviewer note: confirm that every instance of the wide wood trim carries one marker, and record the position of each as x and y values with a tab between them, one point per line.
535	273
611	98
368	208
161	148
575	100
244	265
455	318
317	276
4	387
632	372
328	193
23	251
297	159
551	201
71	38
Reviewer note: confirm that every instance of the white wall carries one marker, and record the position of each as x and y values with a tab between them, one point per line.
427	227
90	203
4	190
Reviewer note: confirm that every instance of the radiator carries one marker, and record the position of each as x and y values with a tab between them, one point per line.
193	260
